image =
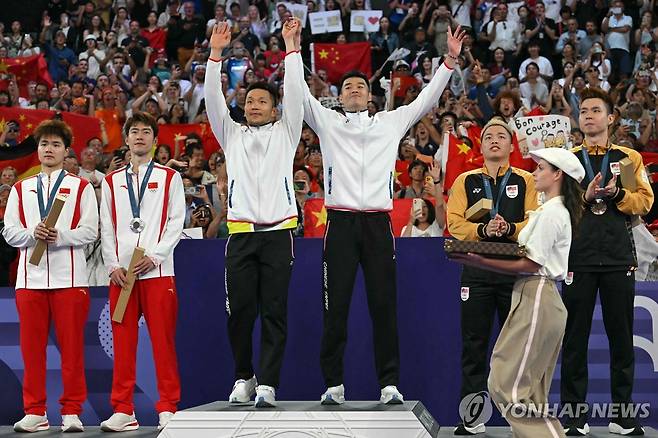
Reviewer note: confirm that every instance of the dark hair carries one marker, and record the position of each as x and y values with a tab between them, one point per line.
431	214
190	148
573	199
597	93
306	171
264	86
532	64
56	128
353	74
162	146
416	163
143	118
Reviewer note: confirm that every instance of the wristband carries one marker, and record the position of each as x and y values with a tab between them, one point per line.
216	60
290	53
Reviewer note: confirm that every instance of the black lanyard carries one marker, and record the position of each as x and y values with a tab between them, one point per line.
489	193
45	209
134	202
588	166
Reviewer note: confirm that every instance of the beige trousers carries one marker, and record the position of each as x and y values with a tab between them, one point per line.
524	358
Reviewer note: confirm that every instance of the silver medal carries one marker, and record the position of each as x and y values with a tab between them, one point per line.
137	225
599	207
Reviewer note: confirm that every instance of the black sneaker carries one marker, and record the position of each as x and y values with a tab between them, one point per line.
474	430
625	426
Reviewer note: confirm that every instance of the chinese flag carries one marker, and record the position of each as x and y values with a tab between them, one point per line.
315	218
168	133
400	215
24	155
461	158
338	59
474	132
26	69
402	173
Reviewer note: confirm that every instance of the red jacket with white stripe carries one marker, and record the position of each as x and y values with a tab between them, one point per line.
63	265
162	209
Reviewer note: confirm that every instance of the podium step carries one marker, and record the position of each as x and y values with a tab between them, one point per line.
362	419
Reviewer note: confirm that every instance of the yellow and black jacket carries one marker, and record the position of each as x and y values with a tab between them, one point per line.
605	241
518	198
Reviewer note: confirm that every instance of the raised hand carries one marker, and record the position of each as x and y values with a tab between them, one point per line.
220	39
455	41
290	28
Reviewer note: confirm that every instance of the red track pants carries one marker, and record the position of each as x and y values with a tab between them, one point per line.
156	299
68	310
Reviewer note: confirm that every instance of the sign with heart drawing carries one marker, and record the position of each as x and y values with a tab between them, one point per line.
538	132
365	21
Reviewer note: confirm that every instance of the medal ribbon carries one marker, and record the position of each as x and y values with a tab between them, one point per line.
45	209
134	202
489	193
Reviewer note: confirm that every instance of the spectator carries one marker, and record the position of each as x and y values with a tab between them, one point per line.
426	221
8	176
258	24
384	42
59	56
237	64
533	91
188	30
442	19
93	57
417	171
617	28
196	172
545	67
155	35
542	30
574	35
96	29
71	164
136	44
171	11
504	33
220	16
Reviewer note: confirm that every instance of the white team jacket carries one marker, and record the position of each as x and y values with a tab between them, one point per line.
359	152
63	265
162	209
259	160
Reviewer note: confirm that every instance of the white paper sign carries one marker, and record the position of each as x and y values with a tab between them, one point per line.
297	10
323	22
539	132
365	21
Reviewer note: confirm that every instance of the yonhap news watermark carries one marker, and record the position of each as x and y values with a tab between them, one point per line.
477	408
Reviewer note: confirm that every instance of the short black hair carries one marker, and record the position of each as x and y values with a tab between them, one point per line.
353	74
415	163
597	93
144	119
194	146
274	94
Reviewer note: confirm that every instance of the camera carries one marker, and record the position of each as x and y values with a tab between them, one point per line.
203	210
120	154
193	191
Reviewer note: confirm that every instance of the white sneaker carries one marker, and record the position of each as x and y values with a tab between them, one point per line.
574	430
71	423
265	397
164	419
243	390
333	396
32	423
391	396
625	427
119	422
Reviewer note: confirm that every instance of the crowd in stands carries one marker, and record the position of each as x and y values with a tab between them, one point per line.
108	58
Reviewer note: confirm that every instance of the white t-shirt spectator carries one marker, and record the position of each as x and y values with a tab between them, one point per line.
507	35
616	40
461	10
545	67
539	90
433	230
94	66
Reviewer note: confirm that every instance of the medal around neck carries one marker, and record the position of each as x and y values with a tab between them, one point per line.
599	207
137	225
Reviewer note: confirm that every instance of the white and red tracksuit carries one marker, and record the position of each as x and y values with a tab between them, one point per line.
55	290
154	294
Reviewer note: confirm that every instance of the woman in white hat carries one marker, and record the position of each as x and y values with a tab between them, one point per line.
526	351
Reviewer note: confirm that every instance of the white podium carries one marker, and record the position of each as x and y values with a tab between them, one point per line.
357	419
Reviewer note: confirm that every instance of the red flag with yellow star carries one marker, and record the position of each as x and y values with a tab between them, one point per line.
315	218
460	159
26	69
338	59
23	156
167	134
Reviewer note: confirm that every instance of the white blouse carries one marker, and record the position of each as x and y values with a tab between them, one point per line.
547	238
